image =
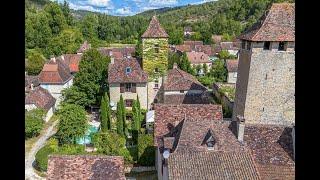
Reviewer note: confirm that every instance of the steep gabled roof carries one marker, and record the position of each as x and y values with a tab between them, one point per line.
54	72
198	57
41	98
72	61
180	80
278	24
117	71
65	167
155	30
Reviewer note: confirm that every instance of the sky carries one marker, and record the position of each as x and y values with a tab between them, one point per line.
126	7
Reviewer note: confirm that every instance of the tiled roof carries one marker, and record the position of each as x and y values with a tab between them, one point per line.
232	65
31	80
229	46
117	53
180	80
207	49
72	61
278	24
85	46
272	150
117	71
211	165
216	38
193	43
183	48
54	72
167	116
186	99
41	98
72	167
198	57
155	30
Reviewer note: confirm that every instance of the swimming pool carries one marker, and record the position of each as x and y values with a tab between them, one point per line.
87	139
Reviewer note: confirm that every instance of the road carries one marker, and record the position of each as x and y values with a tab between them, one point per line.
29	172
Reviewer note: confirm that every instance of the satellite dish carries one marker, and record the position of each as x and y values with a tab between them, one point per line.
114	108
166	154
111	103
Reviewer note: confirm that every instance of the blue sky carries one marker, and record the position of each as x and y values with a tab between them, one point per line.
126	7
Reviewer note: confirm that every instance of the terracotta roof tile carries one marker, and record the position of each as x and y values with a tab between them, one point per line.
183	48
98	167
229	46
155	30
117	53
41	98
54	72
117	71
72	61
180	80
186	99
278	24
232	65
193	43
198	57
31	80
85	46
207	49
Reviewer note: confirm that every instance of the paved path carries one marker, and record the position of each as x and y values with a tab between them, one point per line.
30	157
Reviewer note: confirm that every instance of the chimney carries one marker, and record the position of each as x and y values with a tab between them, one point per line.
112	60
175	66
240	127
62	57
31	86
52	58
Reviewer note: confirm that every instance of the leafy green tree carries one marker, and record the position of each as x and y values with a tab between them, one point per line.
119	119
219	71
92	75
224	54
89	26
103	115
67	13
206	80
205	68
123	114
198	68
73	123
146	155
185	64
73	95
196	36
57	21
108	110
34	122
173	58
35	62
137	119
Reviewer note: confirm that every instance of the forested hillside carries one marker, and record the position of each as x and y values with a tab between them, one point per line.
53	29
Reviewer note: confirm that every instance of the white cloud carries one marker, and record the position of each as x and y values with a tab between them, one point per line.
100	3
87	8
124	11
159	3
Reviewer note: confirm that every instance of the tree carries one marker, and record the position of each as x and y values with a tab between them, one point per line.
205	68
224	54
198	68
73	95
92	75
73	123
103	115
57	21
67	14
173	58
137	119
35	62
89	26
108	110
219	71
184	64
119	119
34	122
123	114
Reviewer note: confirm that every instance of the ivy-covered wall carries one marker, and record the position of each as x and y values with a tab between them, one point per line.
151	59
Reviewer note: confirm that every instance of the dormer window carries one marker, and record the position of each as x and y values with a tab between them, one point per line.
128	70
210	143
266	45
282	46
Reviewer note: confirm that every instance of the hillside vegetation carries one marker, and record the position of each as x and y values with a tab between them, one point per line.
53	29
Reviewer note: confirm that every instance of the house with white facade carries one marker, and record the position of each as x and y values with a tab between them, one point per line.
232	67
40	98
55	77
126	78
199	58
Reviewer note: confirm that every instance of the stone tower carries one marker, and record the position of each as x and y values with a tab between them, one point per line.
155	49
265	88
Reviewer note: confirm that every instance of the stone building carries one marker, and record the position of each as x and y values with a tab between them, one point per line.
55	77
232	68
265	88
126	78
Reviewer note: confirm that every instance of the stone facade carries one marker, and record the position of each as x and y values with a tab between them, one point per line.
265	89
141	89
152	59
232	77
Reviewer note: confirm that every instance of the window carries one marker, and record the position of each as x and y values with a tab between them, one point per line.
156	70
156	48
248	45
266	77
182	91
266	45
243	44
156	83
128	87
128	102
128	70
282	46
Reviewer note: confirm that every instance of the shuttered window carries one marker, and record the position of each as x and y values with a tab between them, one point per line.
122	88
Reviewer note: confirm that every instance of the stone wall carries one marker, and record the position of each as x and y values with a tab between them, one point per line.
153	92
265	90
151	59
114	89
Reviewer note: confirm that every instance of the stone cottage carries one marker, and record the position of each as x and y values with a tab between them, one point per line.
40	98
180	87
232	68
72	167
126	78
55	77
265	88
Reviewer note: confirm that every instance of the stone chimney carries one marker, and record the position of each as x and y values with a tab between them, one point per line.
240	128
112	60
62	57
52	58
175	66
31	86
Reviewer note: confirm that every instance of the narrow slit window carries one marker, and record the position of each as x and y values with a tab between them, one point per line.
156	48
266	77
282	46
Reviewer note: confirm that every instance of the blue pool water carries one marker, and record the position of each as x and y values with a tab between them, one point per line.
87	139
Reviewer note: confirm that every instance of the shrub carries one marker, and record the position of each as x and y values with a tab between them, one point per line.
126	155
70	149
146	150
42	157
33	122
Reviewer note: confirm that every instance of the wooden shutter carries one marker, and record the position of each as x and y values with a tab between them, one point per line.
133	88
121	88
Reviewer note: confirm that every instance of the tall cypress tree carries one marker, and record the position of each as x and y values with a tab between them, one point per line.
135	121
139	112
123	114
103	115
108	111
119	119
